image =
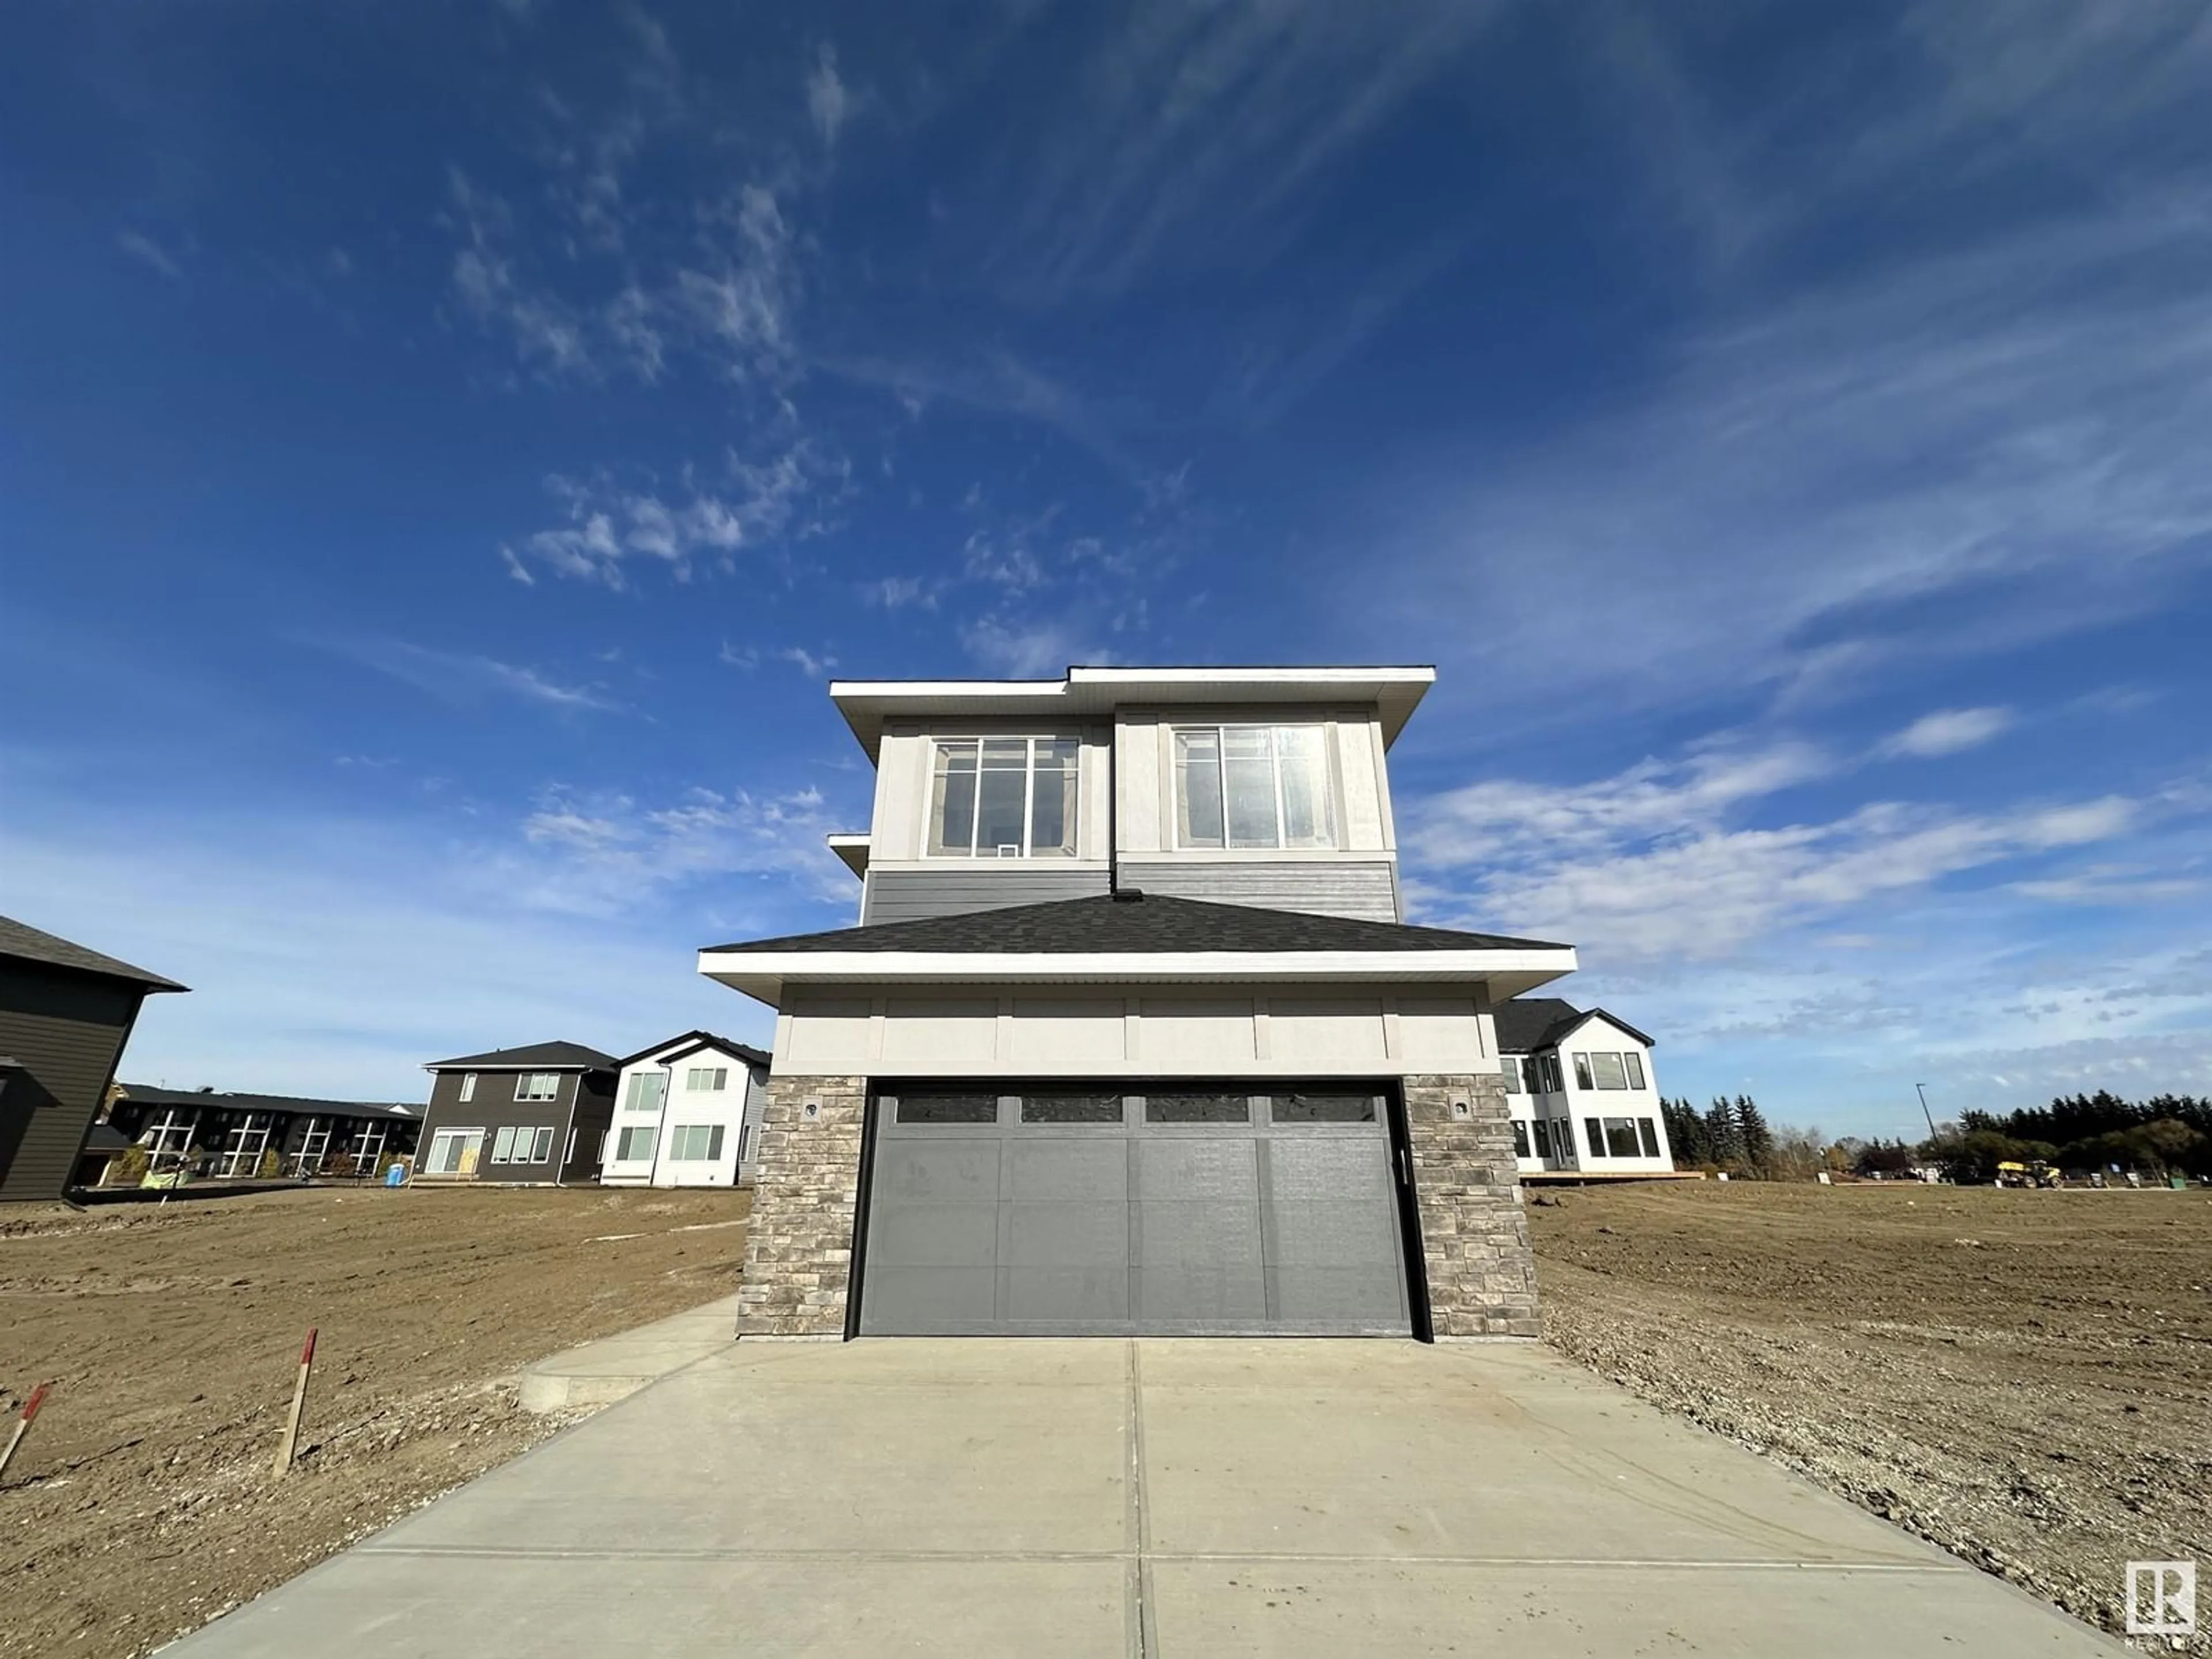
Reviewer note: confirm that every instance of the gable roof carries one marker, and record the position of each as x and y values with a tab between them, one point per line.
1132	921
696	1040
535	1057
29	944
1526	1024
145	1094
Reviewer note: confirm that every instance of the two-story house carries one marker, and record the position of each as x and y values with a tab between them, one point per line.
537	1115
1131	1036
1582	1089
688	1115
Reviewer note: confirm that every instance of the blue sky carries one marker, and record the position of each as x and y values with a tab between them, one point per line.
448	448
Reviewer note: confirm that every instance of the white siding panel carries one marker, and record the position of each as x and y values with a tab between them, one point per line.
1068	1038
1327	1033
937	1031
1197	1035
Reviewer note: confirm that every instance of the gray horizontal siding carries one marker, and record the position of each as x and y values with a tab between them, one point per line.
913	894
65	1029
1364	890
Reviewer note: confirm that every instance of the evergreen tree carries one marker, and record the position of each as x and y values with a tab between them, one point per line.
1685	1133
1721	1132
1757	1139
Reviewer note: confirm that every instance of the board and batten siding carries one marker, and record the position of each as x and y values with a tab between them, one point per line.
65	1031
1365	889
956	886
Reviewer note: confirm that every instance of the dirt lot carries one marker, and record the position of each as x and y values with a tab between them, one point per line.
143	1503
2023	1378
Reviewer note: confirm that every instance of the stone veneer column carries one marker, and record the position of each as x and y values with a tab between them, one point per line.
1475	1235
799	1243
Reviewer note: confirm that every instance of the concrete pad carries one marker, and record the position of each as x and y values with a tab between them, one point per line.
383	1606
1165	1499
1224	1609
1406	1450
615	1367
896	1447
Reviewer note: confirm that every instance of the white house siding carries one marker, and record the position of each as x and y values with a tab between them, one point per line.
1133	1032
1578	1105
736	1108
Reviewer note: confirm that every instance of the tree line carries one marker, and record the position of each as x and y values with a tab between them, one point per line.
2164	1134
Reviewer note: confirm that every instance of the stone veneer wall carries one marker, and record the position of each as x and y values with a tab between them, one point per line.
799	1243
1474	1235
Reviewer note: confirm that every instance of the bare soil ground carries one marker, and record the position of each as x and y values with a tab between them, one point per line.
2023	1378
143	1503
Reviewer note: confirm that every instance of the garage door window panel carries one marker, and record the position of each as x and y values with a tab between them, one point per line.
1299	1108
947	1111
1065	1108
1199	1106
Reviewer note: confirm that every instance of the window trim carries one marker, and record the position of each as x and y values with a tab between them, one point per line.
468	1087
523	1080
1329	841
974	855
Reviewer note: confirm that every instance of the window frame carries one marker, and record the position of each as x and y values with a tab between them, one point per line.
652	1134
1072	832
1509	1068
1598	1058
529	1080
502	1144
719	1076
1178	808
1634	1062
1521	1138
468	1087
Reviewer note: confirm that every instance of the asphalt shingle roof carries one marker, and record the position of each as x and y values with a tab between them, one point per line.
1527	1024
744	1051
29	944
1110	924
543	1057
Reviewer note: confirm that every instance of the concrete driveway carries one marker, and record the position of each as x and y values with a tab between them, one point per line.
1161	1498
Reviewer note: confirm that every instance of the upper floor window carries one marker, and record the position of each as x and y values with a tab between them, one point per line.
1252	785
537	1085
1003	797
707	1077
468	1085
1509	1069
1604	1071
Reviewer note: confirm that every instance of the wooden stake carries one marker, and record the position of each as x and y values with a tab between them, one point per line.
298	1406
23	1425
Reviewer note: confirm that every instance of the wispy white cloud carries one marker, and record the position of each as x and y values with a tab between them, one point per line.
608	527
828	103
1657	863
814	667
1949	731
898	593
1185	131
462	677
595	852
1954	456
148	251
1027	649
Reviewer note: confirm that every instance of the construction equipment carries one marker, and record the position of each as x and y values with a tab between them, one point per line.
2033	1173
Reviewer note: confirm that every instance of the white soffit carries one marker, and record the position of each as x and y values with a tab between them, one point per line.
1089	692
852	851
763	974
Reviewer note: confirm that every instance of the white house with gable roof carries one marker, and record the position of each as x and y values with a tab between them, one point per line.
687	1113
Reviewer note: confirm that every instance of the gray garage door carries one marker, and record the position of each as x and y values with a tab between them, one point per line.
1185	1209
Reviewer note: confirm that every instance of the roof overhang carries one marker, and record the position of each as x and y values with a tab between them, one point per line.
1087	692
768	975
852	851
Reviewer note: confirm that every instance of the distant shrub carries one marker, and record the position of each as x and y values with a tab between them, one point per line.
270	1167
128	1168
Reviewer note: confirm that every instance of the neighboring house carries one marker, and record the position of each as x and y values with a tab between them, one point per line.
529	1116
1583	1095
688	1115
65	1013
239	1137
1133	1036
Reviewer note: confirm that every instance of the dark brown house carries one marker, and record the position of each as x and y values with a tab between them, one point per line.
535	1116
65	1013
